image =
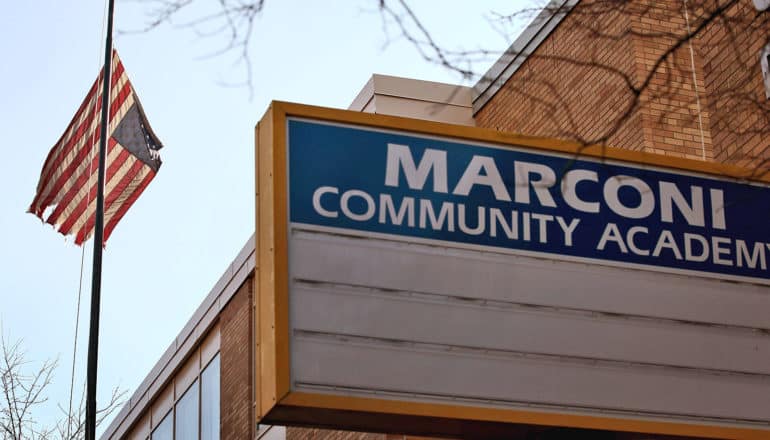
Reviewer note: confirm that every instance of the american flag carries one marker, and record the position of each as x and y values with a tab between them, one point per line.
66	191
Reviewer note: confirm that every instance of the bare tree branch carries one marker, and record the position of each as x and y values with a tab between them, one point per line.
231	19
644	91
23	391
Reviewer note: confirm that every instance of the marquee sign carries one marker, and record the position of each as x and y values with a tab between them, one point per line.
452	280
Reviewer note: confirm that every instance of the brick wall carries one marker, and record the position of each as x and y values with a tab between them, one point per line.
235	357
732	76
673	105
563	90
579	84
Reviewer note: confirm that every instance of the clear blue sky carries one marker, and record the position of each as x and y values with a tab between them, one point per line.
192	220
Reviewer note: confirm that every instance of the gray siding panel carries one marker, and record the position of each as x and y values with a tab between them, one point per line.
409	372
526	280
442	320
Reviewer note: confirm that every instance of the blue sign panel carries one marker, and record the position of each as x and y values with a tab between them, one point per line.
521	200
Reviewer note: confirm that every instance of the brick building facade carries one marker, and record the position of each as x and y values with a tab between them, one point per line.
594	71
630	76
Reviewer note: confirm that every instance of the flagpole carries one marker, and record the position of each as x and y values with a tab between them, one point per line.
96	273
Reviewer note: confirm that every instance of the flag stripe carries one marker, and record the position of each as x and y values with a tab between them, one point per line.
77	187
83	166
77	151
85	205
44	188
94	103
53	154
121	191
82	124
79	217
91	99
88	103
119	194
123	208
89	168
127	187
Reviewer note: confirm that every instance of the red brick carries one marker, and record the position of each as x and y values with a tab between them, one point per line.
236	420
